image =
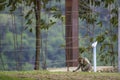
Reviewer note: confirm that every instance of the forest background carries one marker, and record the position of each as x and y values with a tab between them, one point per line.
17	34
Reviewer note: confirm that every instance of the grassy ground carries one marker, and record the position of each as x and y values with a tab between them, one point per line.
45	75
8	77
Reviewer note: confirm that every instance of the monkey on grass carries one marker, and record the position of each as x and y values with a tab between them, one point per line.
84	64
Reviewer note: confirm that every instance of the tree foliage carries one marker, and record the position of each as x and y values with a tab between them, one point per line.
93	13
97	19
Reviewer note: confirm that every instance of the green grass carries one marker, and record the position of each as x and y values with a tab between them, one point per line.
4	77
46	75
12	76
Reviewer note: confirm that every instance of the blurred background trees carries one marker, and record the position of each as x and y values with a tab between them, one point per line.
98	20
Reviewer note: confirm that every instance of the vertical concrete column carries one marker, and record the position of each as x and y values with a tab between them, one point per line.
71	32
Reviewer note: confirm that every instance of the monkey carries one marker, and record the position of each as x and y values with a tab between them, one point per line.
84	64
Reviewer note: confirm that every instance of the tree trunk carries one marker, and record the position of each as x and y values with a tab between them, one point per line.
72	52
119	40
44	55
38	30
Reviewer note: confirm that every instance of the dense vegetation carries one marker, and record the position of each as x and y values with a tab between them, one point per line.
17	34
18	39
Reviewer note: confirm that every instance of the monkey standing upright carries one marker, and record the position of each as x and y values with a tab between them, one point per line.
84	64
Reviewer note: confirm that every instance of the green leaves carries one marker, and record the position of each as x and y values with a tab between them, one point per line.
30	29
29	2
9	3
45	2
97	3
57	15
82	49
107	2
100	24
2	7
2	1
29	20
100	38
114	37
105	27
114	21
114	11
28	14
2	4
45	25
12	4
